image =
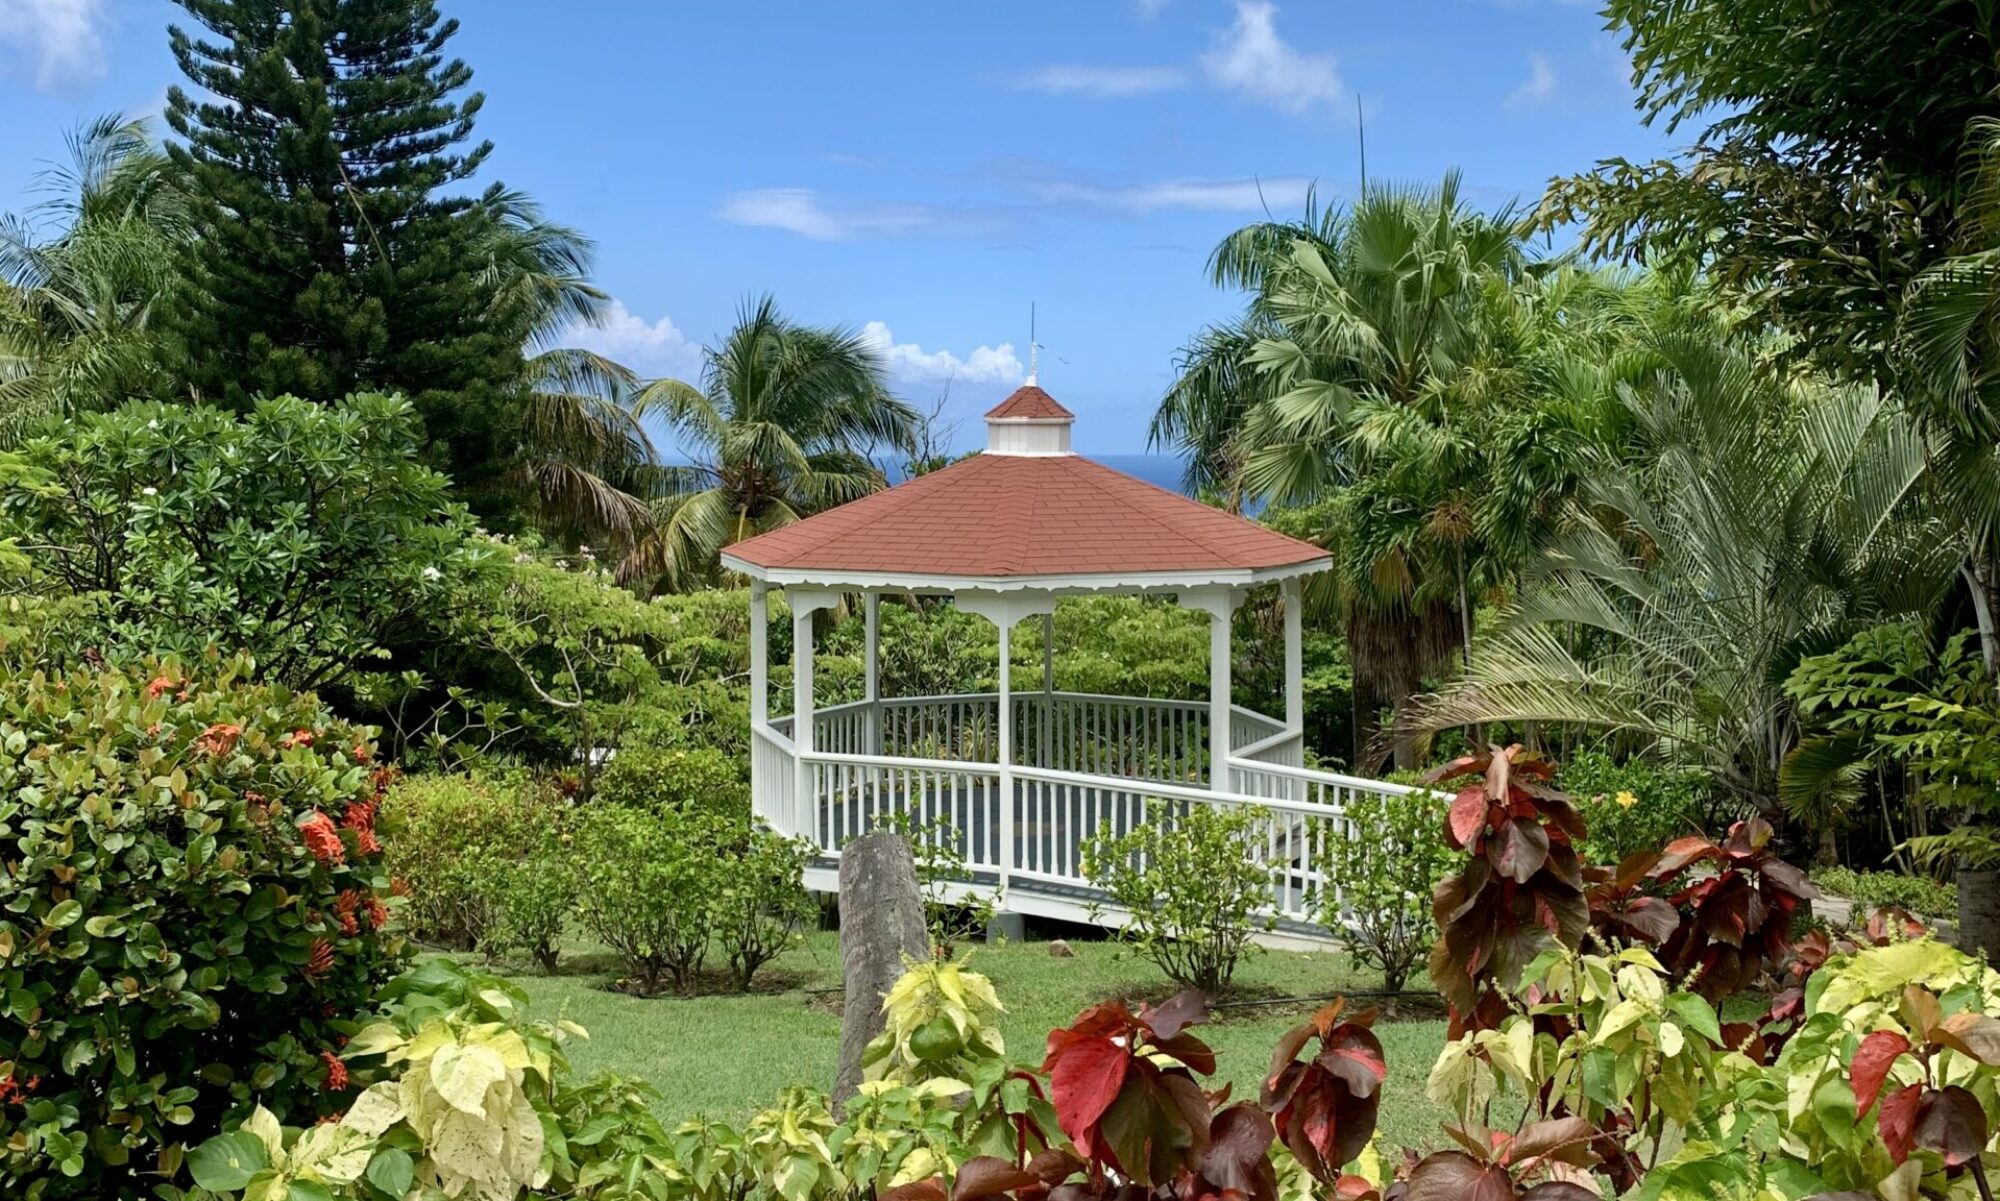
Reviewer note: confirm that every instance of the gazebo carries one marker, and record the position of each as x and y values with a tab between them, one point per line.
1019	779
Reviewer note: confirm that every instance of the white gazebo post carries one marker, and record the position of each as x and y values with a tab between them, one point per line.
1292	595
1005	612
871	610
1045	728
760	698
1220	605
804	602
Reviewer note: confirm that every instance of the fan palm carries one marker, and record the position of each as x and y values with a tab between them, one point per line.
1760	520
783	425
79	307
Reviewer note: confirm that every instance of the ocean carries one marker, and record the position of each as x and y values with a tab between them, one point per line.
1163	471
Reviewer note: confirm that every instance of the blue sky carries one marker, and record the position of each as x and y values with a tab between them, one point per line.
927	170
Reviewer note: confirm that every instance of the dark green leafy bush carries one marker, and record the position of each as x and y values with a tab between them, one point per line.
1634	806
701	779
297	532
1191	881
1872	890
648	889
762	903
1387	865
191	915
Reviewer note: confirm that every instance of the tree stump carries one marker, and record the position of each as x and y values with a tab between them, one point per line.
1979	912
881	925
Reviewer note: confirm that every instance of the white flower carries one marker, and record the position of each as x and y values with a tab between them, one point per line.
149	490
432	573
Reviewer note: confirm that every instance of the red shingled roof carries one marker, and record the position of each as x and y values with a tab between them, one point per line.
1029	401
1007	515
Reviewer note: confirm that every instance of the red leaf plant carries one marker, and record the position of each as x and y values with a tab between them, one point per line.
1544	1161
1325	1105
1735	912
1124	1090
1948	1121
1522	886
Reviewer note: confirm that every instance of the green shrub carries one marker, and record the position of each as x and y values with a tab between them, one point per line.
530	891
1192	881
191	915
443	834
1872	890
762	902
648	889
1634	805
298	532
701	779
1386	866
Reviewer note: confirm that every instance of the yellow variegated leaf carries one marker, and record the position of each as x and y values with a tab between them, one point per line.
462	1075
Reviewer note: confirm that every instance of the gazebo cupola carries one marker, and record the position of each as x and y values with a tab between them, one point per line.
1029	423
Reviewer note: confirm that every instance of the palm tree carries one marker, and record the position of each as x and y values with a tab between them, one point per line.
1948	360
1375	350
584	455
1759	520
79	307
783	425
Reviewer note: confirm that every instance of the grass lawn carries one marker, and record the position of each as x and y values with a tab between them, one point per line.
725	1056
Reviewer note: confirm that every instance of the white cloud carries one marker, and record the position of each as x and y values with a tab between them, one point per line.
650	348
1540	86
985	365
1251	59
1151	8
63	38
1205	195
1079	79
800	211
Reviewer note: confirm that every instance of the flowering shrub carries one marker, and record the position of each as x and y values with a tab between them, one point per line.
192	914
1633	805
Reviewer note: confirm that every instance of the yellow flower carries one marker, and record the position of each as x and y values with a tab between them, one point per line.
1625	799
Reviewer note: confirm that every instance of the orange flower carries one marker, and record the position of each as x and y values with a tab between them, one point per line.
361	752
219	739
319	961
296	738
336	1072
158	685
322	839
344	908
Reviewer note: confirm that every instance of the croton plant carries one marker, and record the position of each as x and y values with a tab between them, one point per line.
1649	1030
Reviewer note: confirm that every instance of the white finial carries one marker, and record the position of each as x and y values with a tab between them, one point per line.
1034	347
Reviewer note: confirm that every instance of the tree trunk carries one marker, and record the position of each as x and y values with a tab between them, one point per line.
1979	912
881	926
1982	580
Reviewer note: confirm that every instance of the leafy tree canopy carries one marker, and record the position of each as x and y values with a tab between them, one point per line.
301	533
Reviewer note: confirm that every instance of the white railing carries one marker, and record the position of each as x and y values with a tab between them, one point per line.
949	801
1112	736
1083	765
774	772
966	726
1289	839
